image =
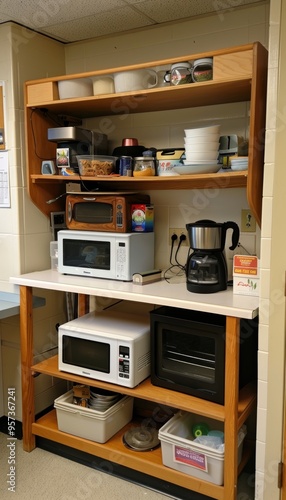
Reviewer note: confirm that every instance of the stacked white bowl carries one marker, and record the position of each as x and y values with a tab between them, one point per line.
201	148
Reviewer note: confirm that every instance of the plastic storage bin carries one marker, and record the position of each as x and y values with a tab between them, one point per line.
91	424
180	452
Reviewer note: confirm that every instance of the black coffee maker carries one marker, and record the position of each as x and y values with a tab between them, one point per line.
206	268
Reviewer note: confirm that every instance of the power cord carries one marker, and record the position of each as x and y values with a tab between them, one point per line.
181	239
174	238
176	269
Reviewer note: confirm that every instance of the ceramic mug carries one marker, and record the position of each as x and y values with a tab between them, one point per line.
126	81
161	79
103	85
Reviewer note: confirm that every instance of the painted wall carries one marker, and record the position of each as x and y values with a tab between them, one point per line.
166	129
24	232
271	387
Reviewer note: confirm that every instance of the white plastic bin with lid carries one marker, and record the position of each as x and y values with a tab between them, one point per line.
180	452
91	424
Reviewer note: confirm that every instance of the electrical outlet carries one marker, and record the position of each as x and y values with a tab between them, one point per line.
248	224
178	231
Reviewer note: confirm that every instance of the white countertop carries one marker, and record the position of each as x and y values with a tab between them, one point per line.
10	304
159	293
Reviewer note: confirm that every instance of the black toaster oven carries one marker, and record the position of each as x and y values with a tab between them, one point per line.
188	352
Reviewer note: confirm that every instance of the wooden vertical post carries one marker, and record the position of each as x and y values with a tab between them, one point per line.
26	331
231	406
83	304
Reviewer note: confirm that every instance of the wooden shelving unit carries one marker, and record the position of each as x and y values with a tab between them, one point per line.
239	75
238	405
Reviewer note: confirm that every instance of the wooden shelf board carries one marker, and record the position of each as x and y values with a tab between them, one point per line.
217	181
149	462
247	402
150	392
157	99
145	390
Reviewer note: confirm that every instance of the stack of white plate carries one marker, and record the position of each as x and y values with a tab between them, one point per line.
203	167
239	163
101	400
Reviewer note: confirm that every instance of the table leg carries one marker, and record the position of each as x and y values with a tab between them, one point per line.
83	304
26	332
231	406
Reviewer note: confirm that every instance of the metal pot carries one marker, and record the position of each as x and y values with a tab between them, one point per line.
210	235
130	141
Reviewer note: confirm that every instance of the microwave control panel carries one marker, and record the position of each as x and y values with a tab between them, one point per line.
119	215
124	361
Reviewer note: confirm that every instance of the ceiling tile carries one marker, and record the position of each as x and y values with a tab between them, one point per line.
74	20
168	10
103	23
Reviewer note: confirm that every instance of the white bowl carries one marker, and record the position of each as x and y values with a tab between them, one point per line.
197	169
194	132
199	148
201	156
202	139
79	87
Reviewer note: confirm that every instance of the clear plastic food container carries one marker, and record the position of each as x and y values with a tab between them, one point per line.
94	165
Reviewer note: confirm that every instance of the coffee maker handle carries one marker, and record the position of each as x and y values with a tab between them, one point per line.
235	233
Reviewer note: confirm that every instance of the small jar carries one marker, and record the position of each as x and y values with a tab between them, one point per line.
144	166
179	74
202	69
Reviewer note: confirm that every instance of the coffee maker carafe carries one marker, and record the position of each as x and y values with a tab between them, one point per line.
206	268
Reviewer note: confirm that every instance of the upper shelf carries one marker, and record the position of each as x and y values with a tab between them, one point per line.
239	75
232	76
156	99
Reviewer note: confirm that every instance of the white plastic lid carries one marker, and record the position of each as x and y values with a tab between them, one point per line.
181	65
204	60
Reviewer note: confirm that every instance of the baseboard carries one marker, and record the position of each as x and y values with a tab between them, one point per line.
18	424
4	427
163	487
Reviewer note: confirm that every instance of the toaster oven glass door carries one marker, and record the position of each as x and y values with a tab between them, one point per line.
93	213
87	253
189	357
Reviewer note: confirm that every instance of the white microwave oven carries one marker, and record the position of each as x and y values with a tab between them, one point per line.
105	255
111	346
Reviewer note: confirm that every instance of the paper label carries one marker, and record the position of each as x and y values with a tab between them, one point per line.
190	458
245	265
